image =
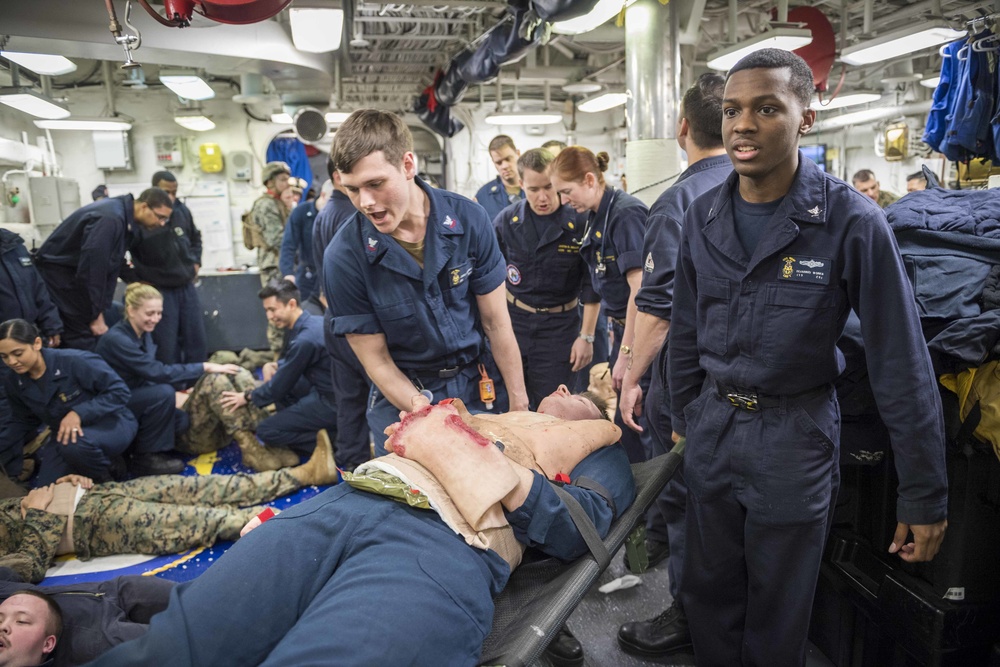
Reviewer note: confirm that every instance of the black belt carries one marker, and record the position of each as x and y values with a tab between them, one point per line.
446	373
751	400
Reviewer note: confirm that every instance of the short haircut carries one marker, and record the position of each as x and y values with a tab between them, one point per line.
500	141
536	159
574	163
863	176
163	176
367	131
701	106
283	290
138	293
54	624
601	404
331	166
19	330
918	175
801	80
554	143
100	192
155	198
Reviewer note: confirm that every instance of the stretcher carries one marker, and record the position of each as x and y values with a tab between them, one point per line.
541	595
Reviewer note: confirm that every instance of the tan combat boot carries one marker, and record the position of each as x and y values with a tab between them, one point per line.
255	455
320	469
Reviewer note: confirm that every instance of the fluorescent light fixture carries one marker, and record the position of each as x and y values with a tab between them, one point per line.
602	102
846	100
336	117
900	43
41	63
582	87
95	124
186	84
931	81
786	39
196	122
316	30
281	118
603	11
32	102
524	118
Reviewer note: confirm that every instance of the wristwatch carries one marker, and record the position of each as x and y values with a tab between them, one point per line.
585	337
625	349
247	394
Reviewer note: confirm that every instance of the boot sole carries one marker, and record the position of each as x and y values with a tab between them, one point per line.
636	650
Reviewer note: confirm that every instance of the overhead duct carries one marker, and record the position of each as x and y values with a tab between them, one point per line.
310	125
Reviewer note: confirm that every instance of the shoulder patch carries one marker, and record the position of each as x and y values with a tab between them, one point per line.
513	275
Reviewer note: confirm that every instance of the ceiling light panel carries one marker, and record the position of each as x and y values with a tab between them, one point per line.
186	84
32	103
900	42
41	63
786	39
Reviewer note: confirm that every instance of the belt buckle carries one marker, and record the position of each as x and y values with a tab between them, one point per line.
743	401
542	310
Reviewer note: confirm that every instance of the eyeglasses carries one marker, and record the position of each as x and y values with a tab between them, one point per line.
162	219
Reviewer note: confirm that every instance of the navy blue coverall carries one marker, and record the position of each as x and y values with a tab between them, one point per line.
494	198
23	293
612	248
351	385
764	329
80	263
301	389
133	357
165	258
74	381
296	258
365	580
665	522
544	271
429	316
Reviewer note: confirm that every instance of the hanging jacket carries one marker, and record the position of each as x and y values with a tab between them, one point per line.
23	293
944	96
950	242
968	134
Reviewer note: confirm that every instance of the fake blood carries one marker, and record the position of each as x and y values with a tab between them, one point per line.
397	445
455	422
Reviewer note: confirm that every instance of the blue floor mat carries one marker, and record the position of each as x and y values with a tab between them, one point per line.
175	567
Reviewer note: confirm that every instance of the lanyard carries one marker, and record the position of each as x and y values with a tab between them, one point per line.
601	267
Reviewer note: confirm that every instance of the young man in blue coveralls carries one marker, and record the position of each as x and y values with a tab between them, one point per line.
505	189
169	259
699	134
81	259
368	580
351	385
301	387
547	279
416	281
770	264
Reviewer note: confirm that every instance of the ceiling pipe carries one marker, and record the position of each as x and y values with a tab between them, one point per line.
733	12
692	31
869	15
782	11
109	89
882	113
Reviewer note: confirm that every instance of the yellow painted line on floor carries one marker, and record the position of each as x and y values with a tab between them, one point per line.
169	566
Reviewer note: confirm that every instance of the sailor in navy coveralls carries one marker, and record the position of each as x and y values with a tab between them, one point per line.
771	262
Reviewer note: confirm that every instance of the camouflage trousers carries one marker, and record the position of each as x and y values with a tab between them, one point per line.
212	426
269	272
170	513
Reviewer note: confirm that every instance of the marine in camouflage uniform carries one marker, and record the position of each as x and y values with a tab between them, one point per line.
269	215
150	515
212	426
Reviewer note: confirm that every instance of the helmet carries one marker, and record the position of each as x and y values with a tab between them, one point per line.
272	169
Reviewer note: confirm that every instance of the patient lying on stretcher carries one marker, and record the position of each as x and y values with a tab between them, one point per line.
353	577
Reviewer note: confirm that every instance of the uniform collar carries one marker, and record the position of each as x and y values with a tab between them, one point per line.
128	203
805	202
563	219
443	224
54	369
713	162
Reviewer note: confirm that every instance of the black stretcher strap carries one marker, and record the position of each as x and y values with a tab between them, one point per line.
586	527
599	489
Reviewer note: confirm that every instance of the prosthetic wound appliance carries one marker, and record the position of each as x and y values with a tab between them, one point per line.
450	455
